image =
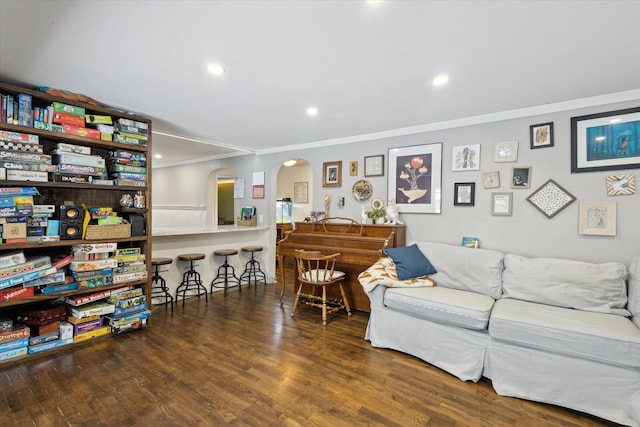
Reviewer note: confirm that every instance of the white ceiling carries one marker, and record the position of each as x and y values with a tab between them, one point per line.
367	69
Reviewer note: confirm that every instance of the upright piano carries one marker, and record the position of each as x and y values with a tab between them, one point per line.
359	245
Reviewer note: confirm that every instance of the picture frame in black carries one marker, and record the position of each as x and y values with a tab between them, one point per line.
541	135
606	141
464	194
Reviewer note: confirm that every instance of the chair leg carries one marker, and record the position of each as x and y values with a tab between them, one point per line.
345	300
324	306
296	301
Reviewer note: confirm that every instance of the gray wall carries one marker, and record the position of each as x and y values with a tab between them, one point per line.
527	232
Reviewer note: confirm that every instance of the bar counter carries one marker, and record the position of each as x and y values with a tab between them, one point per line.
169	242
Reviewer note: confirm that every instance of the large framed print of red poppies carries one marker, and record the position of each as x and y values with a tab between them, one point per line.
415	178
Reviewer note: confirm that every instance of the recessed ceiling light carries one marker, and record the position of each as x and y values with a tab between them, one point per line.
216	69
374	3
158	156
312	111
440	80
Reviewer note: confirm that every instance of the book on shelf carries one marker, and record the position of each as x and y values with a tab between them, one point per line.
471	242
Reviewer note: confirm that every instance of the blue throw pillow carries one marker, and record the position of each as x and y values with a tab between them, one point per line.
410	262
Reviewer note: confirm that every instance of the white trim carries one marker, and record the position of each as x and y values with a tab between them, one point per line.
630	95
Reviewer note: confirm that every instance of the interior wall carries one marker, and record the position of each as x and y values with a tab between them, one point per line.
225	201
527	231
287	176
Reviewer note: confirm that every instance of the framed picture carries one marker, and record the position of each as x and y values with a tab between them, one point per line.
415	178
501	204
606	141
300	192
374	165
541	135
353	168
598	218
464	193
465	158
551	198
621	185
505	151
491	179
521	177
332	174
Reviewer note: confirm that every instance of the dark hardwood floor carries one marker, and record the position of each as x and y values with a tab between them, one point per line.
242	360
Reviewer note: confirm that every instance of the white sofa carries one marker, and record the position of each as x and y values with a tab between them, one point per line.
550	330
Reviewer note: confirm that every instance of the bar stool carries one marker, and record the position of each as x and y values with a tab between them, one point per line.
191	278
252	268
223	277
159	287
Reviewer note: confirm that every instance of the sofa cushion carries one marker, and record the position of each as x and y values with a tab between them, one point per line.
410	262
596	336
475	270
633	304
464	309
566	283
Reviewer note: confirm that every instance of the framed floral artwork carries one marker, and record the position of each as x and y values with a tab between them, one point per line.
415	178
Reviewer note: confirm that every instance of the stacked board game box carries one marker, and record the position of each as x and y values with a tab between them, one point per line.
131	132
127	168
22	158
76	164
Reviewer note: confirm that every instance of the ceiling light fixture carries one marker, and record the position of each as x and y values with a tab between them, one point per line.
312	111
440	80
158	156
216	69
290	162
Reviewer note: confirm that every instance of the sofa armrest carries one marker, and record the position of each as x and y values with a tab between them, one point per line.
636	321
376	296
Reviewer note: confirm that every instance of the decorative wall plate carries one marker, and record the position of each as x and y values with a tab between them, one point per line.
377	203
362	190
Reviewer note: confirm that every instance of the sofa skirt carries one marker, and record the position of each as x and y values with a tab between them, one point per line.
458	351
606	391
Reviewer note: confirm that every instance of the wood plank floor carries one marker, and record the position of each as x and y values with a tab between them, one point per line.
242	360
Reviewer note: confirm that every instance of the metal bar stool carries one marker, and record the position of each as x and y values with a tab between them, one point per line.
223	277
252	268
159	287
191	278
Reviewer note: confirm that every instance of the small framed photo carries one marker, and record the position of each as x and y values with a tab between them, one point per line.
332	174
541	135
465	158
491	179
300	192
464	193
374	165
501	203
521	177
598	218
621	185
353	168
505	151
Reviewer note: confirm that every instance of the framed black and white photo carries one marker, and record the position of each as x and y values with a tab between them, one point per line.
464	193
332	174
521	177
